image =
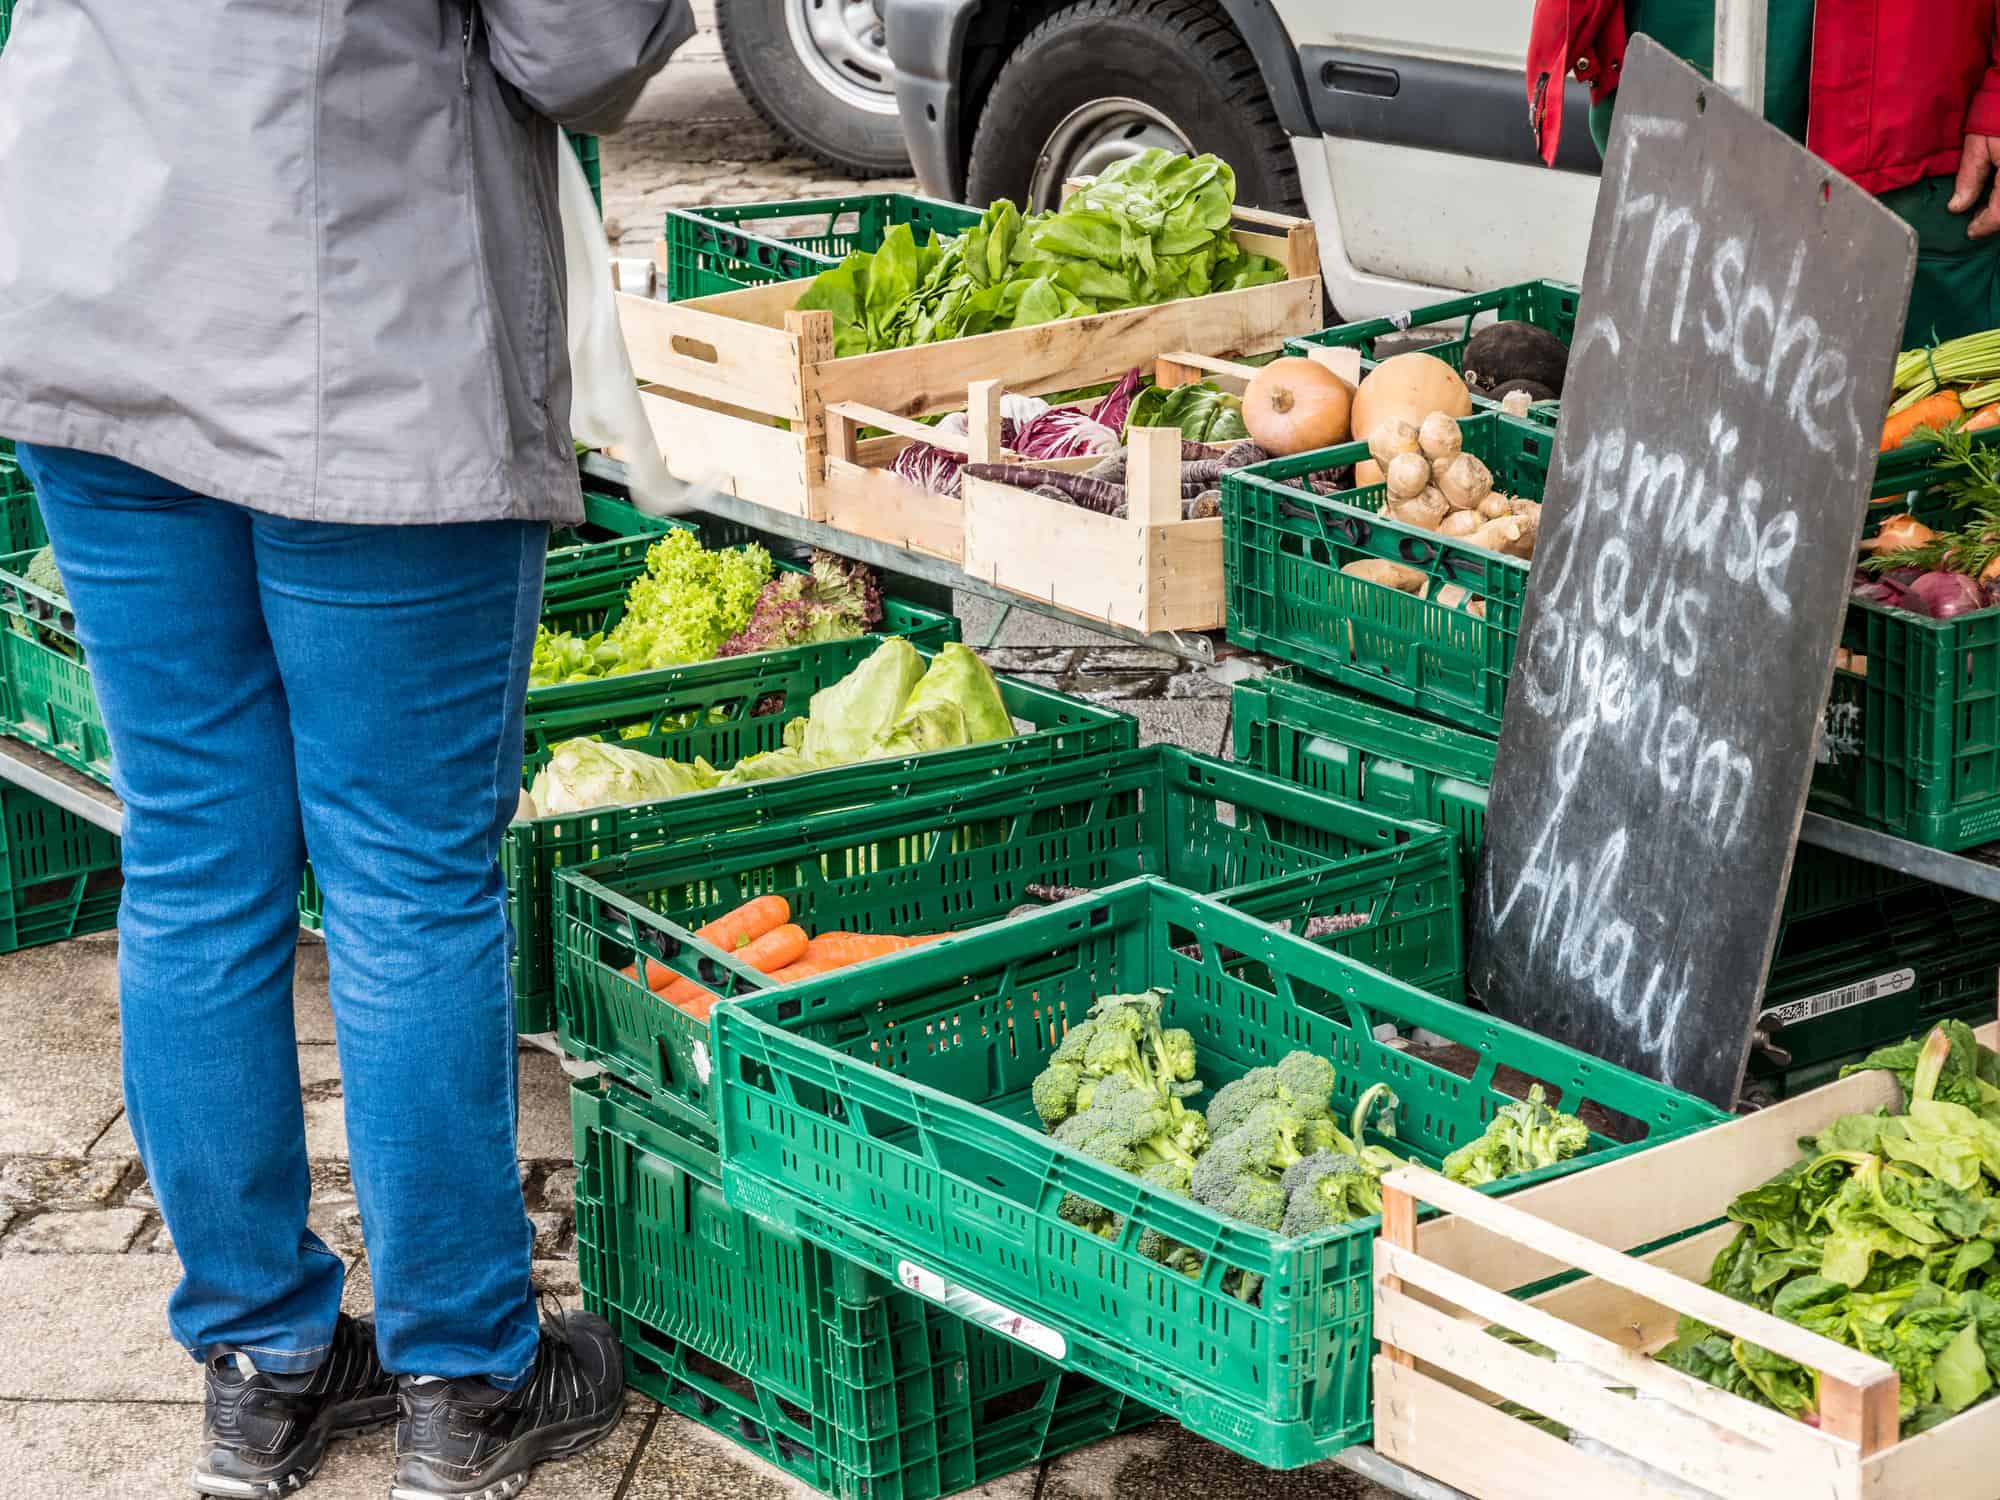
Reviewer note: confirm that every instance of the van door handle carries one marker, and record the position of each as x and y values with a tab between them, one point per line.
1357	78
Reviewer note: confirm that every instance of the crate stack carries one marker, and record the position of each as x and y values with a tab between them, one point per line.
1396	699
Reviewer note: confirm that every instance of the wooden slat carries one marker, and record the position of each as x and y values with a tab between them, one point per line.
872	502
1833	1361
766	465
675	344
1650	1195
1768	1429
1955	1458
853	414
1612	1312
1077	352
1692	1447
1467	1444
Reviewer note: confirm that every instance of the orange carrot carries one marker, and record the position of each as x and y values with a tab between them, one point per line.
1937	412
1986	416
805	968
843	948
775	949
747	923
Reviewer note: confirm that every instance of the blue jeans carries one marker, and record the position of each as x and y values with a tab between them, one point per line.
274	688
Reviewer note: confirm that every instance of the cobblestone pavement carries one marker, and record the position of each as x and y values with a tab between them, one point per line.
97	1404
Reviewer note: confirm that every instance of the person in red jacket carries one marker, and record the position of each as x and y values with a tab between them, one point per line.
1903	98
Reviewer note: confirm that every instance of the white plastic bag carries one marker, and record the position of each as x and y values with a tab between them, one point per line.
604	409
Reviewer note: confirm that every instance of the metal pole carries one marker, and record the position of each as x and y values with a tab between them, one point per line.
1739	49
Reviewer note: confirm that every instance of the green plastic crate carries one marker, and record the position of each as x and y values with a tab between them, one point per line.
711	710
1284	547
61	876
965	857
1366	752
6	19
885	1114
1550	305
816	1364
21	528
724	248
590	156
1846	982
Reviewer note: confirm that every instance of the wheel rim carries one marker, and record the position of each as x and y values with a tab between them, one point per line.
1092	139
841	44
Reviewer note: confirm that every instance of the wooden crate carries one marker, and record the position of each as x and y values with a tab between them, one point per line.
738	387
1441	1288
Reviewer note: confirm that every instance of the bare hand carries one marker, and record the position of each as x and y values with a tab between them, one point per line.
1975	172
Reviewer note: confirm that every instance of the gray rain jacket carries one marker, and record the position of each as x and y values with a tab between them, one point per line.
305	255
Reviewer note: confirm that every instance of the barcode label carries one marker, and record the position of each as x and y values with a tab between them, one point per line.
974	1308
1808	1007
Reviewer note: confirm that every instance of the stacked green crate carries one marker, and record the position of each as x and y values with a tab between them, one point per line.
1866	955
60	874
829	1371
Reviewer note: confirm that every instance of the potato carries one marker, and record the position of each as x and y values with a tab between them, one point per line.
1407	476
1439	437
1390	438
1389	574
1466	482
1425	511
1508	535
1461	523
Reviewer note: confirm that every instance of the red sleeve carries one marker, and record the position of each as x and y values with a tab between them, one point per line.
1983	117
1586	37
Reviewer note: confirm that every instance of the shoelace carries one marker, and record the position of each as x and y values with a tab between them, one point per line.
556	1359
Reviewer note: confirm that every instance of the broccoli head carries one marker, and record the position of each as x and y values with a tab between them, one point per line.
1327	1189
1087	1215
1239	1175
1302	1082
1307	1079
1522	1136
41	572
1121	1038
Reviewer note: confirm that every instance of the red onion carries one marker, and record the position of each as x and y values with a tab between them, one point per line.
1902	578
1875	591
1945	596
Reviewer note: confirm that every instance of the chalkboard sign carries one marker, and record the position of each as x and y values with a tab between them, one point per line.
1741	310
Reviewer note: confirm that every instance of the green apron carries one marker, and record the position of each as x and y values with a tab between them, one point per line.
1957	285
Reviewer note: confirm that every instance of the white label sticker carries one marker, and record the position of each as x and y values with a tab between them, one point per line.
1840	734
1806	1007
701	1064
974	1308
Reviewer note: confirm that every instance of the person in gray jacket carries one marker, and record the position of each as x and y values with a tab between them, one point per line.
282	343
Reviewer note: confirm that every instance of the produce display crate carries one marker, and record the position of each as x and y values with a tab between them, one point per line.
6	20
1928	715
816	1364
1367	752
60	877
21	528
885	1114
1549	305
1146	570
727	247
965	858
711	710
1847	982
738	387
1284	547
1452	1337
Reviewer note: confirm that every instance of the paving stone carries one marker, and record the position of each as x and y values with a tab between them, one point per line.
1197	685
980	617
59	1075
7	1218
60	1181
95	1451
545	1133
1041	659
559	1191
1199	724
1119	689
550	1232
1166	1459
1131	659
91	1328
90	1231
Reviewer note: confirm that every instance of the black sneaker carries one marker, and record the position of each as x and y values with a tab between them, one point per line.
468	1440
264	1436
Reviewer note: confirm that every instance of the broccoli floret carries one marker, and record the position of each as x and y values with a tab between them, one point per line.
1121	1038
1522	1137
1269	1138
1169	1253
1327	1189
1087	1215
1234	1102
1170	1175
1256	1201
1238	1176
1308	1080
1055	1092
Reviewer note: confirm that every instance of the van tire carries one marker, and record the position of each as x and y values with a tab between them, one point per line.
1181	57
